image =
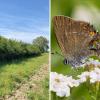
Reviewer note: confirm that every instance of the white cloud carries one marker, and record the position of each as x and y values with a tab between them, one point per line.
23	36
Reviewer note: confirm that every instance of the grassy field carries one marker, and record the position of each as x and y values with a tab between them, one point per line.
13	73
42	92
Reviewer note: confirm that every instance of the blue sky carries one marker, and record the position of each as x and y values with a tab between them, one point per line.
24	19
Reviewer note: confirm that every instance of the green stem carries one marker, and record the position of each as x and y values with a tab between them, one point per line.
97	89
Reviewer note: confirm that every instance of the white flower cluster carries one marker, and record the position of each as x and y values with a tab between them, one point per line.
90	61
61	84
93	75
96	63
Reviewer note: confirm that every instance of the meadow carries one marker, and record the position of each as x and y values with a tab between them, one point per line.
42	92
18	71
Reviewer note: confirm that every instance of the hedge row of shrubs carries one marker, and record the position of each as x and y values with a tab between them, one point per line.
12	49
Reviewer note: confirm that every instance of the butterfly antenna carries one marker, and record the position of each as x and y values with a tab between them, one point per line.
57	53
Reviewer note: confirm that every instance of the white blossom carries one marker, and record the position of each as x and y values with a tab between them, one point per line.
72	82
63	91
95	75
83	77
58	84
61	84
94	62
97	70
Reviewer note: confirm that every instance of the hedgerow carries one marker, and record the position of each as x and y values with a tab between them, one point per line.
13	49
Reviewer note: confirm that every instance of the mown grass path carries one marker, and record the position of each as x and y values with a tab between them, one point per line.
30	85
15	74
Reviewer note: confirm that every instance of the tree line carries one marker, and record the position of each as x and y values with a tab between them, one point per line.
13	49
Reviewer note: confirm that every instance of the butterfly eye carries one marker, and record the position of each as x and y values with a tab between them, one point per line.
66	61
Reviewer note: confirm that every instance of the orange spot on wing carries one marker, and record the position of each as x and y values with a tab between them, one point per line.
92	33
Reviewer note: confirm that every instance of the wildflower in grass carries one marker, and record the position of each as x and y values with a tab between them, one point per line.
97	70
83	77
95	75
61	84
63	91
56	80
58	84
72	82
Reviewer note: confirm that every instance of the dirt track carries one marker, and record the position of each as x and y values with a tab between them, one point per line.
21	92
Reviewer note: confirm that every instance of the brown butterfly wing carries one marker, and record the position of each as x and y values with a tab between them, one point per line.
59	27
73	37
96	42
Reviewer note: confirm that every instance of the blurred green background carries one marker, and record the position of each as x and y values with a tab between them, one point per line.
85	10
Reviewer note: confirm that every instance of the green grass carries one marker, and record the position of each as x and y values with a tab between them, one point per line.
42	92
13	73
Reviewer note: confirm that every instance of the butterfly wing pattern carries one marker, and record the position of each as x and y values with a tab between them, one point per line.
75	38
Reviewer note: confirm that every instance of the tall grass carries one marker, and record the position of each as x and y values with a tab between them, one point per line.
13	73
42	92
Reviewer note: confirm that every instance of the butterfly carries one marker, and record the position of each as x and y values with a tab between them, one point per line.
78	40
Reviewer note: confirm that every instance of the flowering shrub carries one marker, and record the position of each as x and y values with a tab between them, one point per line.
62	85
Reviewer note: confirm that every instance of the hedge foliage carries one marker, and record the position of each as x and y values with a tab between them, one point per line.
13	49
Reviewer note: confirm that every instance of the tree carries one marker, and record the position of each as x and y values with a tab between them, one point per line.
13	49
42	43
